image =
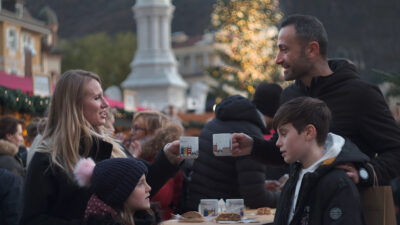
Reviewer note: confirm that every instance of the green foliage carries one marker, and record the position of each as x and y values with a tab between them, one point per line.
16	100
193	124
107	56
122	114
392	78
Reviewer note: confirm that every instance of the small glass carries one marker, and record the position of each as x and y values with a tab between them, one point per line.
208	207
235	206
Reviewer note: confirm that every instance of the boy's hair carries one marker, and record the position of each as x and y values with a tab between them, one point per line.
303	111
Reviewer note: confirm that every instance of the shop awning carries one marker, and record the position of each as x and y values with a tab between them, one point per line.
16	82
115	103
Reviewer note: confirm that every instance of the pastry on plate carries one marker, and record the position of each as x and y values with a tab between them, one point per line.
191	217
264	211
228	216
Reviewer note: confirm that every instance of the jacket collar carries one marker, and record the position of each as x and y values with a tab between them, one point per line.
8	148
343	70
99	151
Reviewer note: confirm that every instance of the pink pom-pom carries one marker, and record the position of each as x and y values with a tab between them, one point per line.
83	171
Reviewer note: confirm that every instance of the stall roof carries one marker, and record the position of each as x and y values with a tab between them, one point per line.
16	82
25	85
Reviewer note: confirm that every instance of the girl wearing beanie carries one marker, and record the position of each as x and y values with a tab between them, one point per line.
75	130
119	190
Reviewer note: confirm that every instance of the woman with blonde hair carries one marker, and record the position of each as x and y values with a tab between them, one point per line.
75	130
144	126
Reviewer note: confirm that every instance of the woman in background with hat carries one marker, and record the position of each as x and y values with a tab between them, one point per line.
75	130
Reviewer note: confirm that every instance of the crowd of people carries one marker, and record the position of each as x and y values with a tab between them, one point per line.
329	130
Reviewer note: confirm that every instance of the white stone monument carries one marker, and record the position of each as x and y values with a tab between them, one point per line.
113	92
154	75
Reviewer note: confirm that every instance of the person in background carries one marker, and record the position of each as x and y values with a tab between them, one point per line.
75	130
317	192
41	125
32	130
10	197
215	177
10	139
168	196
119	190
144	125
266	99
172	113
110	120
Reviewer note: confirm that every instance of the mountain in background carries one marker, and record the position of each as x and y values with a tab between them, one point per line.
364	31
80	17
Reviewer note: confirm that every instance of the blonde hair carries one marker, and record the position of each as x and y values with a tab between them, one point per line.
153	120
67	128
110	113
126	215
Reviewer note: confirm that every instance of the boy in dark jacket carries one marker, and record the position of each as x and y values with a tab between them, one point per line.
317	192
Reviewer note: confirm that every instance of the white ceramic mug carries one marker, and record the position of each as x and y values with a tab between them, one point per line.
222	144
189	147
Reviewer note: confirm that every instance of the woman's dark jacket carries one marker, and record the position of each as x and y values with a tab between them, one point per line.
229	177
51	197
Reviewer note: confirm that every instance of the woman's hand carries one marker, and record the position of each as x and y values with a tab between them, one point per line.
135	149
172	152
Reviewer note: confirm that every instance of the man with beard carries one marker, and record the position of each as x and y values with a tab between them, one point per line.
359	110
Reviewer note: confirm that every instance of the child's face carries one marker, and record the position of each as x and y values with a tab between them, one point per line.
293	145
140	196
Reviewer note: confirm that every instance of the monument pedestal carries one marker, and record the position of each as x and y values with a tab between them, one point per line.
154	76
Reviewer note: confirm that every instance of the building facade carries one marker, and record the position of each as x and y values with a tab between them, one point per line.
27	45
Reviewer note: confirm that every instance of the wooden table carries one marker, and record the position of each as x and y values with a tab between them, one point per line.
259	220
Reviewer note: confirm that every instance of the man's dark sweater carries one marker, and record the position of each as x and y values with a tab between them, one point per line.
359	112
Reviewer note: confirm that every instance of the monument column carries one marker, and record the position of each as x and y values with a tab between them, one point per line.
154	74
